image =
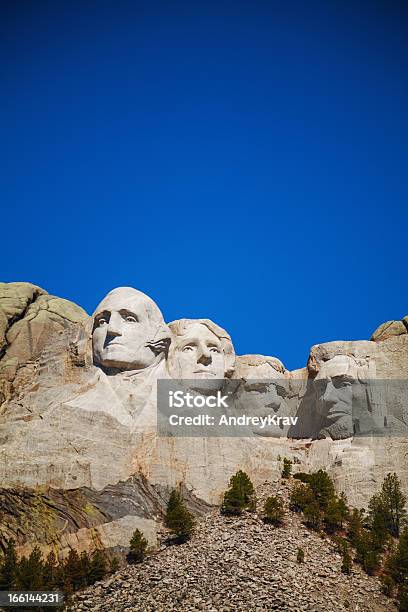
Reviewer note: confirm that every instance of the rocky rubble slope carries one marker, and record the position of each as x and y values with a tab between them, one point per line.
240	564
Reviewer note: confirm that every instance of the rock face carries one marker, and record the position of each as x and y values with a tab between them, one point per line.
389	329
78	401
243	564
30	321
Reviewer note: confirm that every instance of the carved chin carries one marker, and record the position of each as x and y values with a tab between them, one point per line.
341	429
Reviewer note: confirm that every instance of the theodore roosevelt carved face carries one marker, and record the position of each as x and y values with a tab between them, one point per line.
128	331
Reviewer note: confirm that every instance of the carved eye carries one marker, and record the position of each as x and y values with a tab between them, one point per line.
187	349
130	319
102	322
214	349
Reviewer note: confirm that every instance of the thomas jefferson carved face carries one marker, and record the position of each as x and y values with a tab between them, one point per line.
200	349
198	354
127	324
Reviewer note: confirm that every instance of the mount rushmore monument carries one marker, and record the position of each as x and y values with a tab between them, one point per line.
82	460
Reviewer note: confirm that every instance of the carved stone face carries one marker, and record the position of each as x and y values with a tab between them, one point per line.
198	353
126	322
334	402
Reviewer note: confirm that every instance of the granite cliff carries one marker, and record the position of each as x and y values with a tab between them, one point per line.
80	458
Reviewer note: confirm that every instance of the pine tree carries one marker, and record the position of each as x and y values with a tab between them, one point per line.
233	503
97	566
73	571
332	516
343	508
323	488
85	563
137	545
392	504
387	585
346	561
312	516
300	497
355	525
273	510
336	513
30	574
240	495
9	567
397	564
51	581
287	468
368	551
178	519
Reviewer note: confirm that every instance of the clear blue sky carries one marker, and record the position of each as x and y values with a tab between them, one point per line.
241	161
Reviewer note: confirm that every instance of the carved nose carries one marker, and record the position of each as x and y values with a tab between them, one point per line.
204	356
112	331
114	327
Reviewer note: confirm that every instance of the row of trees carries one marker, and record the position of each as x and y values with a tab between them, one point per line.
378	536
34	573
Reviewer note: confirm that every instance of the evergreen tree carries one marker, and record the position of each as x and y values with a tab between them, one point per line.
322	487
336	513
367	551
387	508
397	564
233	502
67	589
311	513
242	483
387	585
85	563
51	578
97	566
240	495
287	468
138	545
9	567
346	561
273	510
300	497
73	571
343	509
355	525
178	519
302	476
30	574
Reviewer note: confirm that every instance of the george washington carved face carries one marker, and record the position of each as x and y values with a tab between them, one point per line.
128	331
